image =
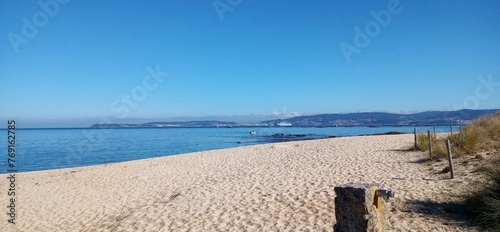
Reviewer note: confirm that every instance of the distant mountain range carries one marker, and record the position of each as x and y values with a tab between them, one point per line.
328	120
387	119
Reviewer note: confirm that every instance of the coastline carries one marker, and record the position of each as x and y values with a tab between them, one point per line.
277	186
37	151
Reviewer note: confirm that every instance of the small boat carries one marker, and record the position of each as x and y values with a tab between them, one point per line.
283	124
253	132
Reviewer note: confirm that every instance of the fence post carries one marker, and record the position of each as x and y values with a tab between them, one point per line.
451	128
430	143
448	146
416	140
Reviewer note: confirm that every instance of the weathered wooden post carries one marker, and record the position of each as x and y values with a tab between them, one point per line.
461	126
448	146
430	143
416	140
451	128
359	207
434	128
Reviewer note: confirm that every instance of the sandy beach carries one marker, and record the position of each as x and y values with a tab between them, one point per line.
273	187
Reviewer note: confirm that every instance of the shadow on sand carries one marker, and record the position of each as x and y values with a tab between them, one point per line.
452	212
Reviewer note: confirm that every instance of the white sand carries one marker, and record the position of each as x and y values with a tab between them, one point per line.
283	186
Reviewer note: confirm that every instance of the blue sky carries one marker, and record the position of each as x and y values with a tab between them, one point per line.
261	59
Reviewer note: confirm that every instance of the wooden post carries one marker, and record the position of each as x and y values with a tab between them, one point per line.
451	128
448	146
460	126
430	143
416	140
434	128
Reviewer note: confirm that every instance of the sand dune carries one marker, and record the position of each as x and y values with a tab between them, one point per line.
273	187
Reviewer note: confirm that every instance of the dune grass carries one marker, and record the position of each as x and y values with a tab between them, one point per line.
482	134
438	144
484	203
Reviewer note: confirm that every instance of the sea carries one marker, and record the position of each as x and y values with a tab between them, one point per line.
44	149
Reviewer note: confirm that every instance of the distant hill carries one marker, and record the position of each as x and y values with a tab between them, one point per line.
169	124
326	120
386	119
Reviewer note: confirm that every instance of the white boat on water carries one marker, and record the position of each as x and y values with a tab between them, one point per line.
283	124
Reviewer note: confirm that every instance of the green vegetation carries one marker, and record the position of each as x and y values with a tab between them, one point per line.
482	134
438	145
484	204
423	142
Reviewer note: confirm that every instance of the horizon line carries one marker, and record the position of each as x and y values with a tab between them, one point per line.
169	120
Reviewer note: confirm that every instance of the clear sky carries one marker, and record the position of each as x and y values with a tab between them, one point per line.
73	63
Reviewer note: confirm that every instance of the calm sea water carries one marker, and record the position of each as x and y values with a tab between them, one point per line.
42	149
